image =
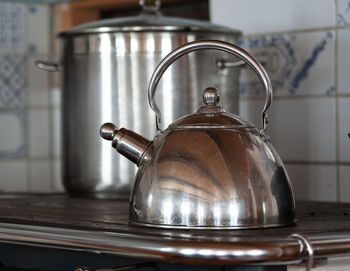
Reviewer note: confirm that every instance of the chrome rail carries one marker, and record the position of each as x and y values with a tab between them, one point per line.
282	251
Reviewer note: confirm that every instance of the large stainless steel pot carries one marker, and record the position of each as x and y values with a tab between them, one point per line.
105	68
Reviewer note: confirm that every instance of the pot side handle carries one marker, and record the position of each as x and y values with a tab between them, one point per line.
210	44
49	66
225	64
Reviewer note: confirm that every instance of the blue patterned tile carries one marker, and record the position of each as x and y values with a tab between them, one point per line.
298	64
343	12
12	27
272	16
13	133
12	81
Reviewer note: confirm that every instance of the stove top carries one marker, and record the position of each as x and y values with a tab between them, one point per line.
102	226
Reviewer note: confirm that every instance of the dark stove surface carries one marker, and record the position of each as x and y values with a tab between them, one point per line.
112	215
49	215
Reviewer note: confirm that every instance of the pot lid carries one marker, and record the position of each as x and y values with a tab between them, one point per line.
211	115
147	22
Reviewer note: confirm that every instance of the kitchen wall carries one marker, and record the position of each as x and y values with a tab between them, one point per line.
28	108
306	48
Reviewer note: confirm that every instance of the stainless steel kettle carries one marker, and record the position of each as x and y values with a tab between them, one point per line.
207	170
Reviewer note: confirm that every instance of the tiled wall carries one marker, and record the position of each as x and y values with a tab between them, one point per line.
306	47
27	106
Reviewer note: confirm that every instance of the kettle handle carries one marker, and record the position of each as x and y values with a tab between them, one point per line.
209	44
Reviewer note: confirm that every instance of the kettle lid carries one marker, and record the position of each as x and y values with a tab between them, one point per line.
211	115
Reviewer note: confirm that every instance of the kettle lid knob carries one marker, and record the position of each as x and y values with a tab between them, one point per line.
211	96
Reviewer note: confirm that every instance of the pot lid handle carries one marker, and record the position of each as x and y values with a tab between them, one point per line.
148	9
209	44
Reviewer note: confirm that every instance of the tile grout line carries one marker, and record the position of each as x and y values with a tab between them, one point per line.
337	125
30	107
50	76
54	158
299	97
32	159
57	176
297	31
25	54
336	91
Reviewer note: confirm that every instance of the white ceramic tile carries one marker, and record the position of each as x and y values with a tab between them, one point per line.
300	129
343	60
38	28
56	96
344	182
12	81
38	91
304	129
297	64
313	182
252	16
250	110
12	27
344	129
13	133
56	128
40	176
57	176
39	135
13	176
343	12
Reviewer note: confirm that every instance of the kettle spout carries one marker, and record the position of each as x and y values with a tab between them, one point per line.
128	143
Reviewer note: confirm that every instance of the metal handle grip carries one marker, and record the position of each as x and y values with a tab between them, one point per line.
209	44
47	65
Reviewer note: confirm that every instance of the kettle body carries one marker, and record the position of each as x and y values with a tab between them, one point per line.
212	178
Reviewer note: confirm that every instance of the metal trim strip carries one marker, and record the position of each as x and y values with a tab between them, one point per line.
284	251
